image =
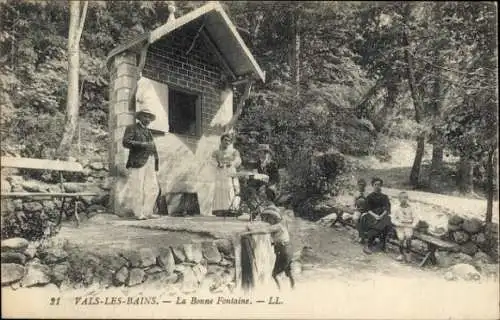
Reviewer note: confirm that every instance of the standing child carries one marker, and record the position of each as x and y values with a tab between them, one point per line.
281	243
404	221
281	240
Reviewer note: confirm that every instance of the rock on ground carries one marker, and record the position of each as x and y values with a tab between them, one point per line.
450	276
32	186
225	246
13	257
14	244
73	187
11	273
193	252
189	280
479	239
482	257
54	255
460	237
460	257
469	248
161	279
59	272
465	271
133	258
210	252
148	257
456	220
166	260
179	255
32	206
136	277
121	276
37	275
329	219
154	270
114	262
199	272
472	226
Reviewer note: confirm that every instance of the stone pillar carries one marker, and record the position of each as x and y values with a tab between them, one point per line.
123	79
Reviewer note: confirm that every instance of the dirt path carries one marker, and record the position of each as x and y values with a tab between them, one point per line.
357	285
335	248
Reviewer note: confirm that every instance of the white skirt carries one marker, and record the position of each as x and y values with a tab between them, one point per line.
227	189
139	193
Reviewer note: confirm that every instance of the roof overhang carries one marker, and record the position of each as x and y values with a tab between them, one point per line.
222	32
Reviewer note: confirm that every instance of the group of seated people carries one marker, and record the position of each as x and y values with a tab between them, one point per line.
374	218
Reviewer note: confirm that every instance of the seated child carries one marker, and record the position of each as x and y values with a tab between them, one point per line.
404	221
361	210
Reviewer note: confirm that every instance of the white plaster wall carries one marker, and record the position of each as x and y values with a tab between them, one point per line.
186	164
154	96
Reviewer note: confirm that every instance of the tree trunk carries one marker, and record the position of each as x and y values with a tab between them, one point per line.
465	175
437	98
436	164
417	103
73	100
379	118
490	185
296	52
417	162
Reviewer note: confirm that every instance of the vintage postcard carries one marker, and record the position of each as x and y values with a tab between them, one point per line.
249	159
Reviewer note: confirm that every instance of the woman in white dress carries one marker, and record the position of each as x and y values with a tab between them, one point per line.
227	187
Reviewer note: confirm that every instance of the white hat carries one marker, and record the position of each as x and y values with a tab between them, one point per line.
272	211
146	111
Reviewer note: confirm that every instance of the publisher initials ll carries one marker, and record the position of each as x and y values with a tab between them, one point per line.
275	300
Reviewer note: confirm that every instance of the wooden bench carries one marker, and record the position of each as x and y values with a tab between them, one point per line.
433	243
51	165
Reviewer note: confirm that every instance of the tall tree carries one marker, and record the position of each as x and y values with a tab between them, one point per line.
295	48
416	97
76	23
437	100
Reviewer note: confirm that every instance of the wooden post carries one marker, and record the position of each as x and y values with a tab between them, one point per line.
239	107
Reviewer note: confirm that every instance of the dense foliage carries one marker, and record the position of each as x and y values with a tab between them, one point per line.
339	75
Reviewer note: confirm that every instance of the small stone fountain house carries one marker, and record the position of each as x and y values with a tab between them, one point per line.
189	68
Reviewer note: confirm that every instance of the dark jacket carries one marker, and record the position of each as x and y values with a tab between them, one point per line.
138	140
378	203
271	170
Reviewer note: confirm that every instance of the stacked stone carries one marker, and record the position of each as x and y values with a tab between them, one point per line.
473	236
476	254
206	266
25	264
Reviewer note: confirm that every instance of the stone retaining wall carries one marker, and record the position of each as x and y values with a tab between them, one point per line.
189	267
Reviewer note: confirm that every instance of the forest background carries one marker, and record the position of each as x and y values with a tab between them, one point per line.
344	80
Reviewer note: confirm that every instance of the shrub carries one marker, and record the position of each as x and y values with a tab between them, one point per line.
29	225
